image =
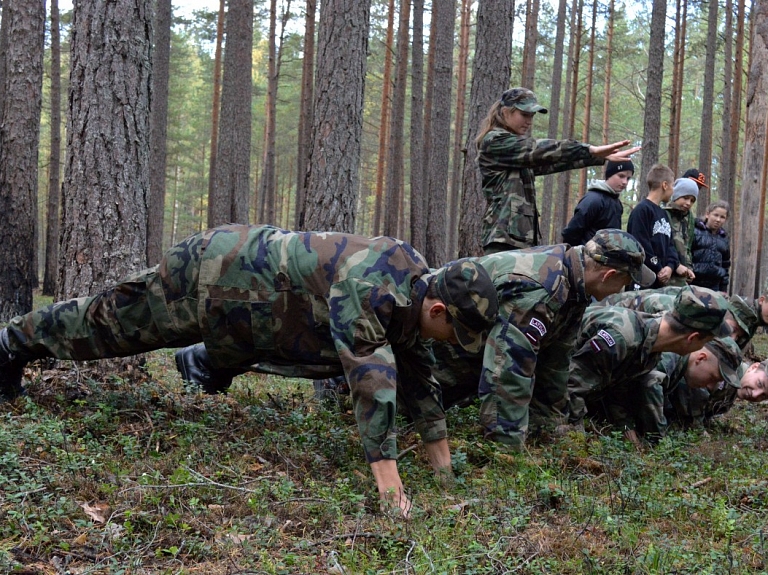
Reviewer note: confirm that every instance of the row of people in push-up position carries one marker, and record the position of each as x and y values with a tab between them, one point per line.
321	304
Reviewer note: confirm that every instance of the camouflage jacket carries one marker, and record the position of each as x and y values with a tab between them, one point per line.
541	300
508	164
613	347
682	237
313	304
651	301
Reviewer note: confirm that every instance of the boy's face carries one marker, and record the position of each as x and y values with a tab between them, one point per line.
618	182
667	188
684	203
703	370
754	384
763	303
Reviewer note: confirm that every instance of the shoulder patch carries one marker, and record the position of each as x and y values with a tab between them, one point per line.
607	337
539	326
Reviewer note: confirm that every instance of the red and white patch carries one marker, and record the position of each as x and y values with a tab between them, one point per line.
607	337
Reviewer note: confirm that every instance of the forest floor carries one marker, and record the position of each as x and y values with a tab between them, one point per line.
135	474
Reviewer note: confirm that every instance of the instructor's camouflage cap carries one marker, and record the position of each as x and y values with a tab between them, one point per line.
470	296
621	251
522	99
701	309
744	313
729	358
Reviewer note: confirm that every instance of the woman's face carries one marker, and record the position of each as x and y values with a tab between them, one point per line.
517	121
716	219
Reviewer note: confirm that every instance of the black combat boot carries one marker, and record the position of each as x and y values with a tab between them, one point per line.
195	367
11	370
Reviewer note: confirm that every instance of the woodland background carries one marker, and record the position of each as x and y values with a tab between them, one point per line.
349	115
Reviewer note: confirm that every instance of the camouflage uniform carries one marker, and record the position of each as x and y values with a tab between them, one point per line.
695	407
542	297
682	238
614	351
298	304
508	164
748	315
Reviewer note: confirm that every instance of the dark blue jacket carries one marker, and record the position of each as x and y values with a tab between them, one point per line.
711	254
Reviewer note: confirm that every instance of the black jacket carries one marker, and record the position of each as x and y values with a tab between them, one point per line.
600	208
711	254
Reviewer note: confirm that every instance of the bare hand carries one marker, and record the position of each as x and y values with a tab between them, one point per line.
613	151
391	492
664	274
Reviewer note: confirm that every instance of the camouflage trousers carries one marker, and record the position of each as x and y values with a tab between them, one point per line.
153	309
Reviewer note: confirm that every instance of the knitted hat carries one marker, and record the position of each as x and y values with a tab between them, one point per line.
684	187
612	168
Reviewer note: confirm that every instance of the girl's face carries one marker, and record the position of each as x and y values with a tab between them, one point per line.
716	219
517	121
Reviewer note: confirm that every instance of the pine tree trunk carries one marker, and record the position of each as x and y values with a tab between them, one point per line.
229	202
652	118
736	99
158	130
531	41
458	132
705	143
333	173
550	233
106	177
675	100
52	225
418	201
394	216
216	104
443	18
751	215
606	133
267	182
305	114
585	132
490	77
381	163
725	180
24	30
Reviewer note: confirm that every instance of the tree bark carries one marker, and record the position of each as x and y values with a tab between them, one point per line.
550	233
676	98
585	132
52	229
528	76
106	178
381	162
458	131
333	173
705	143
606	133
24	31
158	129
394	216
216	104
490	77
725	179
754	177
418	200
443	18
305	114
229	202
655	75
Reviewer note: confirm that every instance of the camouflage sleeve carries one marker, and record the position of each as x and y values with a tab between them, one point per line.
638	401
509	366
591	369
550	395
359	315
420	392
509	151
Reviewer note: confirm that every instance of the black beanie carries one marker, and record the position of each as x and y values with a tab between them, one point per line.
612	168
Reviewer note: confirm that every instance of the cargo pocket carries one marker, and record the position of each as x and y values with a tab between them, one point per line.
237	326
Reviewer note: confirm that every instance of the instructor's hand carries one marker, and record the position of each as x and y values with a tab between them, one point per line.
613	152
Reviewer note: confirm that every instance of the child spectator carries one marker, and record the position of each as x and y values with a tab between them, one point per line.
684	195
699	178
600	208
648	222
711	250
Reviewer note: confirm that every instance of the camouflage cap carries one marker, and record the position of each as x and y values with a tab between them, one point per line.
470	296
744	313
729	358
620	250
522	99
701	309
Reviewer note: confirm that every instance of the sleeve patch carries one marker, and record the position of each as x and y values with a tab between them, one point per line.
607	337
539	326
